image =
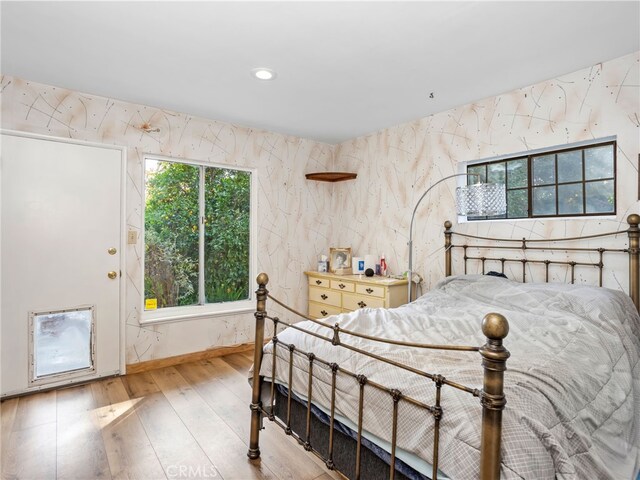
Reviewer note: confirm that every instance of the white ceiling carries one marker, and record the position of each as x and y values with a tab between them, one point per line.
344	69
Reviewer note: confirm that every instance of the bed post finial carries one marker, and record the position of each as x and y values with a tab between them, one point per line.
495	327
447	248
634	258
494	359
256	405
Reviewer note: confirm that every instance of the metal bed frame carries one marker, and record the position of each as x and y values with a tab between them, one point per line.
493	354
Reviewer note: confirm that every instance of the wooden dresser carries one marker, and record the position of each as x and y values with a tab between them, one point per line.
330	294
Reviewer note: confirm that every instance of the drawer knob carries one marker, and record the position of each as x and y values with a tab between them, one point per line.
362	304
324	313
341	285
369	290
318	282
323	296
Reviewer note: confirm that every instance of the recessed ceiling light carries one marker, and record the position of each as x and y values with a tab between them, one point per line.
263	73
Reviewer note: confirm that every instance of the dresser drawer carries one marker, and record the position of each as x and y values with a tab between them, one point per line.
319	282
317	310
325	296
370	290
354	302
343	286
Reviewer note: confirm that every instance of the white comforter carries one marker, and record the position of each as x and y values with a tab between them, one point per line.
572	383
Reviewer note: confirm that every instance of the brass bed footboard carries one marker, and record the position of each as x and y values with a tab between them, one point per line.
493	354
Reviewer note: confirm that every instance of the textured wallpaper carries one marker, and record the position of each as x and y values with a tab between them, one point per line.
292	225
299	219
396	165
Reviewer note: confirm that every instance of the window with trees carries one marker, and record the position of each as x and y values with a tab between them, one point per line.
197	223
577	181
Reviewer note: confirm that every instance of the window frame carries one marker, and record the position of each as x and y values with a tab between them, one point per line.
200	310
528	156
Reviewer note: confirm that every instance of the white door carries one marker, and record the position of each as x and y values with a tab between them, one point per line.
61	262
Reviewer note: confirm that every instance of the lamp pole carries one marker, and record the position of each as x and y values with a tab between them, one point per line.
413	215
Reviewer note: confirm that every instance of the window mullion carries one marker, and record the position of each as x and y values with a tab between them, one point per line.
201	215
555	165
506	187
529	186
584	186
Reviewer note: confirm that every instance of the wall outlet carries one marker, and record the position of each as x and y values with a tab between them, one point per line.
132	237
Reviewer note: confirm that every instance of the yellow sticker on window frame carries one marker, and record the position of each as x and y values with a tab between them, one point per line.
151	304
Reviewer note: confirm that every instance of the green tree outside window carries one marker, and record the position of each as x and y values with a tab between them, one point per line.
197	219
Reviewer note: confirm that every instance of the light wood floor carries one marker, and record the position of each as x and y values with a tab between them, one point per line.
188	421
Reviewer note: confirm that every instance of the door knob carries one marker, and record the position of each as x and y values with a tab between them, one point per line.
112	251
112	275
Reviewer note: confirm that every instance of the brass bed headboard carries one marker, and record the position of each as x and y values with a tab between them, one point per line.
523	245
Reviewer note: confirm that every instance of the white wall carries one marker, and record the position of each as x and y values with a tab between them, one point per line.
292	222
396	165
299	219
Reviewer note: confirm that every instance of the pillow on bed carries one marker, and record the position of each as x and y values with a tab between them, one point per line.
496	274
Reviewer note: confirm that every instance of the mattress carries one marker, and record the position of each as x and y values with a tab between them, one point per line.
572	382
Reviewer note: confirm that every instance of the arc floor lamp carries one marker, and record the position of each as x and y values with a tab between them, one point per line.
479	199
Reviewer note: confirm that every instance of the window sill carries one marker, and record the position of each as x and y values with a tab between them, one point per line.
195	312
583	217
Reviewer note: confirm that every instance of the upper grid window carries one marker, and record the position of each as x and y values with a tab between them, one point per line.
197	234
570	182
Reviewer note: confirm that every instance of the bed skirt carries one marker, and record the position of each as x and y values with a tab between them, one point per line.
374	460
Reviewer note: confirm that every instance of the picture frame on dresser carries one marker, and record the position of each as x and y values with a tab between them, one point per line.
340	260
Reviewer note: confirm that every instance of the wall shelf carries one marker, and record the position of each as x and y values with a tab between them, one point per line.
331	176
